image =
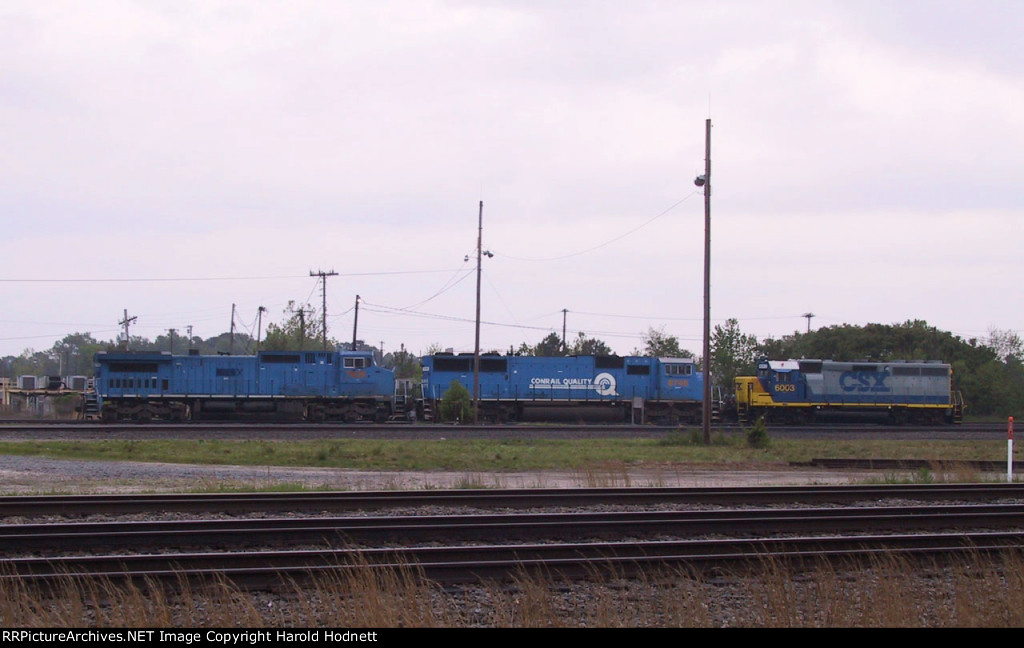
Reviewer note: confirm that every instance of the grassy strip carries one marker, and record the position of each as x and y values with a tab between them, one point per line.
972	592
498	455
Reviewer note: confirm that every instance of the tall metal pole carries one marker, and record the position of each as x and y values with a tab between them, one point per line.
476	352
707	284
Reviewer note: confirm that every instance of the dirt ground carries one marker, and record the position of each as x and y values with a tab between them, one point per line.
19	475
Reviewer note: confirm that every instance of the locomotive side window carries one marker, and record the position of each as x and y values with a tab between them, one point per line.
281	359
609	362
906	371
811	366
355	363
784	378
493	365
678	369
453	364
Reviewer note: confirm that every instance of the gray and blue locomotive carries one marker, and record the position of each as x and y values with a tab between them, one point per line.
798	391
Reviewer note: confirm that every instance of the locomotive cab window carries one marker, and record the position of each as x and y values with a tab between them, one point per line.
678	370
784	378
355	363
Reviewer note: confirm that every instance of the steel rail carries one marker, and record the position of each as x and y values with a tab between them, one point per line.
494	562
334	531
78	505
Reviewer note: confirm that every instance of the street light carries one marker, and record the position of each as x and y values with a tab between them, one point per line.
476	353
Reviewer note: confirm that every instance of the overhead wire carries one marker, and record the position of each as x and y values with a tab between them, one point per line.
609	241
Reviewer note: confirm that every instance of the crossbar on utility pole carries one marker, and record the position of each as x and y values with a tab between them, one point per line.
125	322
323	277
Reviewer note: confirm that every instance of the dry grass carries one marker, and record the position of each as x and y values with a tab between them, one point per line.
976	592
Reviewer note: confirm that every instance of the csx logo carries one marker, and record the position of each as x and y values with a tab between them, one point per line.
863	381
785	388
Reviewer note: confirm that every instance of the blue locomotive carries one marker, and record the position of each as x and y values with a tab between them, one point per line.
282	385
798	391
640	389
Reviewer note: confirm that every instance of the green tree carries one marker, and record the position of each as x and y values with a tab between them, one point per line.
589	346
405	365
1005	344
733	353
75	353
456	403
302	330
550	346
659	345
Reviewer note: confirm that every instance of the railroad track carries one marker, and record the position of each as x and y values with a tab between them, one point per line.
480	546
366	531
21	429
455	564
79	505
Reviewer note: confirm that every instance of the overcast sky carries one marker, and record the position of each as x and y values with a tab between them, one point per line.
173	159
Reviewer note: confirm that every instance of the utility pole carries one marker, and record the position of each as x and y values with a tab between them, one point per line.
231	338
302	327
125	322
564	346
259	325
705	181
171	333
323	278
808	316
476	353
355	324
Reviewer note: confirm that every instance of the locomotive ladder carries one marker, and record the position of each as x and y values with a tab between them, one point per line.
89	409
957	399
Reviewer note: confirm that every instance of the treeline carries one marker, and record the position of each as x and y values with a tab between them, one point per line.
989	372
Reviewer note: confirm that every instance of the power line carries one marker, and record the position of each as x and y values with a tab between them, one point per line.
609	241
249	278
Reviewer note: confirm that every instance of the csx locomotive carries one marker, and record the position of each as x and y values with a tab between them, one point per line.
798	391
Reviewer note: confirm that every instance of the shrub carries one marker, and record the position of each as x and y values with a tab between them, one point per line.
456	403
757	435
